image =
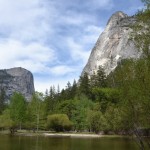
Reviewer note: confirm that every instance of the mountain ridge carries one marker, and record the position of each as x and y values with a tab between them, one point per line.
17	80
113	45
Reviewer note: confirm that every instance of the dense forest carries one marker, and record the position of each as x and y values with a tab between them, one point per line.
118	103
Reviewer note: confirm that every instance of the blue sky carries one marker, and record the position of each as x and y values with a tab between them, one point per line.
53	38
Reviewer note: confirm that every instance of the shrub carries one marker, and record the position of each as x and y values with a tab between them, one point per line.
59	122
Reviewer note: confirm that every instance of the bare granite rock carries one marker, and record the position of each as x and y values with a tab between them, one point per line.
17	80
113	45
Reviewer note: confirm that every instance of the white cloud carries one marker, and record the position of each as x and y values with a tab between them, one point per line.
101	4
77	51
24	19
24	26
62	70
75	18
18	12
78	46
91	35
34	56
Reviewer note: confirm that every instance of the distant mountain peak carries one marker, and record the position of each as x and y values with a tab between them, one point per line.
17	80
113	45
116	18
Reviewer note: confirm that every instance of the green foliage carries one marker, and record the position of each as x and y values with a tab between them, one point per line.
80	113
5	120
96	121
36	112
116	118
74	90
141	30
66	107
76	110
59	122
109	94
84	87
49	104
132	78
106	96
138	82
117	78
18	108
67	93
98	79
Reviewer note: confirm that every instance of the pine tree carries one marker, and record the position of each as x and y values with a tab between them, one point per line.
84	87
73	89
50	99
93	80
98	79
101	77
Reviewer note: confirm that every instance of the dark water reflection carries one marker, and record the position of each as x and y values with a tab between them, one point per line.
55	143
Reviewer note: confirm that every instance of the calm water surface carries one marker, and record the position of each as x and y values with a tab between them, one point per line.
66	143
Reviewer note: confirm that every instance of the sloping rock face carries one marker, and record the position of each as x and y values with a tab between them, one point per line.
17	80
113	45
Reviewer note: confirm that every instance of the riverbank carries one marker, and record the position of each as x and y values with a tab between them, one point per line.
84	135
54	134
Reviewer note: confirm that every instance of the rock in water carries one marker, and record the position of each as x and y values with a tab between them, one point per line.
17	80
113	45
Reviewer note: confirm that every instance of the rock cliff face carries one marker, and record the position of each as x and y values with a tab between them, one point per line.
113	45
17	80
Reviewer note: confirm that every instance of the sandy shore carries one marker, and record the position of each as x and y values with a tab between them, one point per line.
72	135
48	134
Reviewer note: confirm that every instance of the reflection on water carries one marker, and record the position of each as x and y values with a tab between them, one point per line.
58	143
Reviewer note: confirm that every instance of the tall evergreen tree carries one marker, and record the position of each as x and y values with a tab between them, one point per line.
93	80
84	87
101	77
68	90
74	89
50	100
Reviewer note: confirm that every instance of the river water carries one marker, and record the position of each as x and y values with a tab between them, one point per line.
65	143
